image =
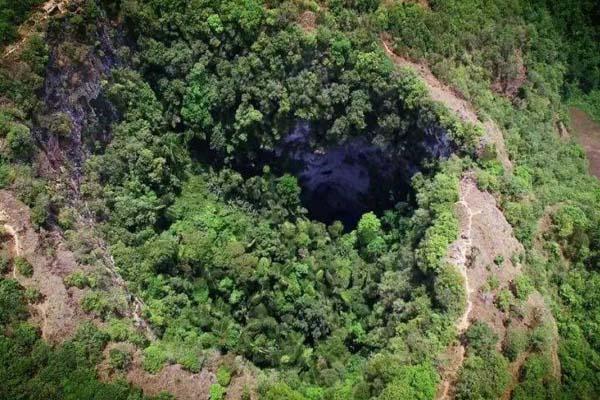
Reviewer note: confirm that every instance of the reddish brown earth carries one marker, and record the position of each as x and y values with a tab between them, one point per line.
485	234
59	313
455	102
587	133
509	86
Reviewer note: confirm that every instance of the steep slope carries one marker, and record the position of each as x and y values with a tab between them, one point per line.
485	238
455	102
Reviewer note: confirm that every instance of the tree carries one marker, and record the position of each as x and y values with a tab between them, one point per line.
12	302
483	377
449	288
20	142
481	338
418	382
368	228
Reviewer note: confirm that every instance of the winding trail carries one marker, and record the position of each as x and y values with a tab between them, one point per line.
462	250
27	28
463	323
17	252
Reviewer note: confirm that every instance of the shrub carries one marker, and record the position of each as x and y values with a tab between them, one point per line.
542	337
449	288
504	300
97	302
516	342
7	175
78	279
493	282
119	360
12	306
481	338
19	141
33	295
217	392
66	218
23	267
522	287
4	261
281	391
483	378
223	376
499	260
154	358
41	209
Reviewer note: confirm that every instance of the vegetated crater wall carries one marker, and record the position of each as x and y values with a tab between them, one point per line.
345	180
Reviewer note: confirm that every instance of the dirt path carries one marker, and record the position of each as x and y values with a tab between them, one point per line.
484	235
455	102
43	12
463	248
463	322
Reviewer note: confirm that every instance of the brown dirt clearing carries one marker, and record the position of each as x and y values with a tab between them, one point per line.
455	102
587	133
485	237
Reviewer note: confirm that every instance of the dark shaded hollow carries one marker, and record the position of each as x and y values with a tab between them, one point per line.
344	181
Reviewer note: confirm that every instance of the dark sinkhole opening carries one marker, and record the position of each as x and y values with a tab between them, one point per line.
342	182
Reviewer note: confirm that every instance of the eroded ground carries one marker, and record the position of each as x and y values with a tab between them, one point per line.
587	133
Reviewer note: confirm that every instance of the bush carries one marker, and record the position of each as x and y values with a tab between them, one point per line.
119	360
33	295
542	337
281	391
41	209
4	262
223	376
522	287
20	142
97	302
217	392
23	267
154	358
12	305
77	279
481	338
66	218
504	300
515	343
449	288
7	175
483	378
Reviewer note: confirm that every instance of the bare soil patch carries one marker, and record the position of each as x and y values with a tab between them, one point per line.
455	102
509	85
59	314
308	21
186	385
587	133
485	250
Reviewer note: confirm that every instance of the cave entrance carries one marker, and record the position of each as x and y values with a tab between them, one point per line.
342	182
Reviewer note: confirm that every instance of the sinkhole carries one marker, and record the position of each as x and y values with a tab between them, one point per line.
341	182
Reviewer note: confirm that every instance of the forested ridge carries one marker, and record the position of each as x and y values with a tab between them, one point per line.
192	155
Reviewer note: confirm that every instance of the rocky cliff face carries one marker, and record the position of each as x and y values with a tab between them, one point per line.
76	115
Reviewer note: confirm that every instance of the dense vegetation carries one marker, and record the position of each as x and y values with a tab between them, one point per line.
210	231
31	369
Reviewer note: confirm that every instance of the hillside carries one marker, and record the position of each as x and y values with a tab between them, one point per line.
301	200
